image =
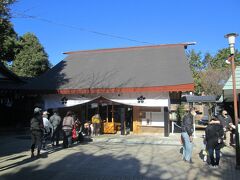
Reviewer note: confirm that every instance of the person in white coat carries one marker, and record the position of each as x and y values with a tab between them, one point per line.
47	129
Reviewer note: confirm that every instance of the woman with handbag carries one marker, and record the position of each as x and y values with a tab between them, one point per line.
214	139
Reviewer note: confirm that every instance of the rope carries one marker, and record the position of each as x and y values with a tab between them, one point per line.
177	125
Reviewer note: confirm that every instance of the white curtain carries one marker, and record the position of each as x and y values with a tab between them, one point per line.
55	101
146	102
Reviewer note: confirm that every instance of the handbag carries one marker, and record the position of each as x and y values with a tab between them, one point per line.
74	134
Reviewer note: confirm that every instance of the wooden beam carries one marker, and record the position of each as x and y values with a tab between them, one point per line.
166	122
174	88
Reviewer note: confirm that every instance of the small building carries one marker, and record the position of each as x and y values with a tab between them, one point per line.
131	88
228	93
205	107
10	97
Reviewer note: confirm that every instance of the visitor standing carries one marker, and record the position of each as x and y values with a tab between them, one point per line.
55	120
214	141
96	121
36	128
187	131
67	126
226	122
47	129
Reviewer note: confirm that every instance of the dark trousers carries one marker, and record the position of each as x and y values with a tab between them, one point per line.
55	135
36	136
46	137
80	137
67	138
96	129
214	161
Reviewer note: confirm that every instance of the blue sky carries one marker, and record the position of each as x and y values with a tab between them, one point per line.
153	21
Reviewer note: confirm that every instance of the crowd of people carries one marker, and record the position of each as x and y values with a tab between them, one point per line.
218	134
45	130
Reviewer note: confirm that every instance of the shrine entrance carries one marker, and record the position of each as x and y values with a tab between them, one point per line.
115	117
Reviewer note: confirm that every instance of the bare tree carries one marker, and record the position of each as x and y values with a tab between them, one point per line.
213	80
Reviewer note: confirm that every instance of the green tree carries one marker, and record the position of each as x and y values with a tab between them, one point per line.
210	72
218	61
8	37
180	113
5	8
196	65
217	72
207	61
31	59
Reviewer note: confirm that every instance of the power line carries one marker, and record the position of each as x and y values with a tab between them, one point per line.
23	15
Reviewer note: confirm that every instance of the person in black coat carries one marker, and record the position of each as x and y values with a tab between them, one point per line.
226	122
186	135
214	139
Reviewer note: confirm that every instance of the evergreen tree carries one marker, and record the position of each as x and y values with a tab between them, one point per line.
218	61
196	66
217	72
31	59
4	8
8	37
210	72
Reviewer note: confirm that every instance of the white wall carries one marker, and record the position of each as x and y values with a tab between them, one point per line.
154	118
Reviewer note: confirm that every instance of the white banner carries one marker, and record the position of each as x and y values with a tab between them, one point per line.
60	101
57	101
146	102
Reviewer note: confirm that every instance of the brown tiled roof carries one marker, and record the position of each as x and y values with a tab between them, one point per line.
146	67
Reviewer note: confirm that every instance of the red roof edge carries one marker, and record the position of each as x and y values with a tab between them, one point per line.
170	88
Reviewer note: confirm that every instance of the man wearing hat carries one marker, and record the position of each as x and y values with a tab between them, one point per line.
36	128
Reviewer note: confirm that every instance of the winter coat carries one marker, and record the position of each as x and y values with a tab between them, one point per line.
47	125
187	124
55	120
68	123
225	121
214	136
36	123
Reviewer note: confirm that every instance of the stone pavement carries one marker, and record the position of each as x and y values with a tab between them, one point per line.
111	157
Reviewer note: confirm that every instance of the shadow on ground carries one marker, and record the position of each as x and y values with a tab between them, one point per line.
113	161
83	166
15	144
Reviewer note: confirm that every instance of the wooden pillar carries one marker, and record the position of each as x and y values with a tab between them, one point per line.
87	112
98	108
166	122
122	117
238	105
107	113
112	113
136	120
